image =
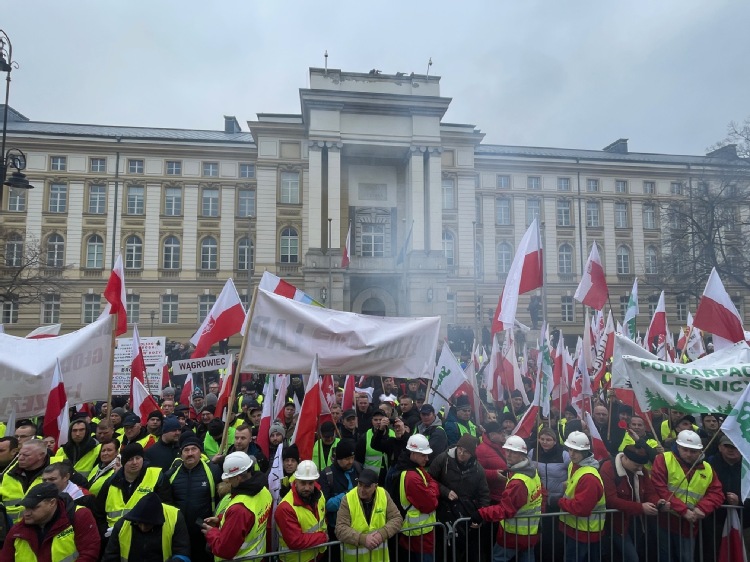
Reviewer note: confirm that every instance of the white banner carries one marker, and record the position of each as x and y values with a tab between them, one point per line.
27	365
625	346
201	364
121	380
153	350
285	335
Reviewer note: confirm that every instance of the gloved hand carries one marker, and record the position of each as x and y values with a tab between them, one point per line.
476	517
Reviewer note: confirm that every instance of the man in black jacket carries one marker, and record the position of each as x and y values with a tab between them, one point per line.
81	449
163	453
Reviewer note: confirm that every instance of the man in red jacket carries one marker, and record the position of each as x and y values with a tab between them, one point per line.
683	478
491	456
47	517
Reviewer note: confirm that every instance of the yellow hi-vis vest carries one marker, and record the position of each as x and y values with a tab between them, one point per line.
690	493
12	492
167	532
309	524
322	461
85	464
414	517
260	505
471	429
63	547
115	505
97	484
594	523
526	521
375	459
354	553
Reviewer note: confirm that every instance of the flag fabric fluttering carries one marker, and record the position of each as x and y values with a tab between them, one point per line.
116	297
597	443
143	403
732	547
267	415
273	284
225	319
402	253
278	405
49	331
604	351
346	251
56	420
447	378
592	290
307	422
137	362
222	401
348	402
717	314
657	340
186	396
694	347
736	426
546	378
631	312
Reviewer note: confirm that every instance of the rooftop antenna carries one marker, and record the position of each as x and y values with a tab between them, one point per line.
429	64
326	63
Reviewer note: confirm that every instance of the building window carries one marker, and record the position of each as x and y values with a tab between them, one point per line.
449	247
624	300
211	169
290	188
59	163
17	200
171	253
649	217
174	168
173	201
245	254
373	240
621	215
51	309
675	188
289	246
478	261
651	261
563	184
135	166
565	259
97	199
592	214
592	185
205	302
95	252
135	199
58	198
91	306
449	193
9	311
621	186
133	308
649	187
533	209
737	302
534	182
133	252
623	260
209	253
98	165
653	302
245	202
14	250
504	258
502	211
566	309
247	171
210	202
563	212
478	209
55	251
682	309
169	309
503	182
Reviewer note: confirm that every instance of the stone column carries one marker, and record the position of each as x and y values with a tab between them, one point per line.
315	197
417	193
434	182
334	192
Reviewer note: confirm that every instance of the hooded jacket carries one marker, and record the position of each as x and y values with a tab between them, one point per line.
553	471
76	451
492	459
587	495
467	479
625	492
435	433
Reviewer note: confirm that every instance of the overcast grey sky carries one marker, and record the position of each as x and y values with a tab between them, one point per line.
669	75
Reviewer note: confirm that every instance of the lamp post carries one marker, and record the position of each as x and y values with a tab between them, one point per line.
153	317
14	158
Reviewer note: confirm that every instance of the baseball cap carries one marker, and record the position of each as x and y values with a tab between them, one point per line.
40	492
130	420
427	409
349	414
367	477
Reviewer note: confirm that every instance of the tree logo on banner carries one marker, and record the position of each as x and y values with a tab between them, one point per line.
743	417
443	374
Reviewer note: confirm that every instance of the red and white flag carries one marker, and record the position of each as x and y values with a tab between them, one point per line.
312	408
489	376
597	443
526	425
717	314
49	331
329	390
142	401
116	297
592	290
694	345
346	251
525	275
732	547
225	319
266	416
137	363
604	351
657	341
186	396
56	420
222	401
348	402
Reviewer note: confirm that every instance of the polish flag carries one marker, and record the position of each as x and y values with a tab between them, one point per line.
346	251
278	407
186	396
312	408
732	547
525	275
348	402
489	376
142	401
165	382
694	345
273	284
50	331
559	370
116	297
592	290
137	363
266	416
225	319
681	340
329	390
604	350
597	443
509	372
657	331
717	314
56	421
527	424
580	390
222	401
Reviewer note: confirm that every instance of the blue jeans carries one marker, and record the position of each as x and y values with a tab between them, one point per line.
576	551
502	554
673	547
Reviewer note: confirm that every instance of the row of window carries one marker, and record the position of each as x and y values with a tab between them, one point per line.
136	166
592	185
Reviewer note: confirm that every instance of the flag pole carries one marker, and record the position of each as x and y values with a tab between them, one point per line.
112	362
230	400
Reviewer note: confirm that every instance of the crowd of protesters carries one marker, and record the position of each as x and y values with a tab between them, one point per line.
383	476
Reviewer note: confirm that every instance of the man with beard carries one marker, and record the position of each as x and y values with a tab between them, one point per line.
81	450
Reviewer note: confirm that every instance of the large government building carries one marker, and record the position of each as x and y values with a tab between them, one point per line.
435	213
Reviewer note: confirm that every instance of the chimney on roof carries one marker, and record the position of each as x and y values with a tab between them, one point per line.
231	125
620	146
727	152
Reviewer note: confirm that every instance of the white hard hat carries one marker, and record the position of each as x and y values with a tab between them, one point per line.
418	444
578	441
236	463
306	470
689	439
515	443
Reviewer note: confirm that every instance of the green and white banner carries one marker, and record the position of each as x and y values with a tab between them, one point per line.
713	383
